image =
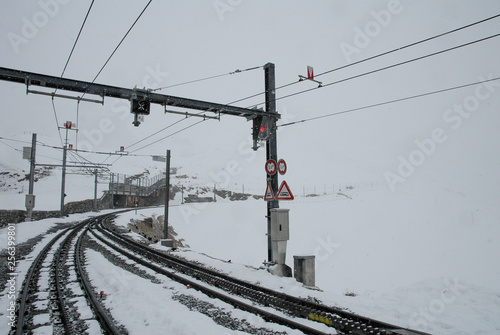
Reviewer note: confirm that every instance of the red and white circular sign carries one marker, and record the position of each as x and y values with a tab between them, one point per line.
271	167
282	166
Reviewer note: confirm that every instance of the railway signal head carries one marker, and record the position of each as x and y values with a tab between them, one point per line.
261	129
140	105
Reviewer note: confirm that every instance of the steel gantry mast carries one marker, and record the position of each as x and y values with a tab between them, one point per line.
264	121
53	82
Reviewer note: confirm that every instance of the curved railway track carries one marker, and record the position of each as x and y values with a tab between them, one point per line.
272	306
58	308
31	285
296	308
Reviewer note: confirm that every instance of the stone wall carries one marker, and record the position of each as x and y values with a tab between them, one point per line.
15	216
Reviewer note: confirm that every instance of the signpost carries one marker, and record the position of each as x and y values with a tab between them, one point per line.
271	167
282	166
284	192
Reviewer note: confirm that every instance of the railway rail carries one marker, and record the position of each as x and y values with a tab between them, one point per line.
59	310
272	306
295	308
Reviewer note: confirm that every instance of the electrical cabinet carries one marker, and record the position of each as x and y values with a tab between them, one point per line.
30	201
280	229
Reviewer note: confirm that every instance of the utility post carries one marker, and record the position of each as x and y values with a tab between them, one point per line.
68	125
95	191
30	197
166	241
63	180
112	190
271	146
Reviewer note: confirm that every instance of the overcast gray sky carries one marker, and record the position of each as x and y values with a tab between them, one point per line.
178	41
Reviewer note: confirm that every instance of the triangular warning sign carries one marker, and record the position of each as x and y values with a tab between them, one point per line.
269	193
284	192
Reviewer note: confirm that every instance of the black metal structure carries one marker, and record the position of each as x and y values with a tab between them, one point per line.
142	98
53	82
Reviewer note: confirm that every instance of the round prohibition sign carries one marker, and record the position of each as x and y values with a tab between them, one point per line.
271	167
282	166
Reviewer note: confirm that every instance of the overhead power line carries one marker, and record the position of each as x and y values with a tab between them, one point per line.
156	132
207	78
390	66
410	45
57	121
389	102
133	24
161	139
10	146
353	77
77	38
378	55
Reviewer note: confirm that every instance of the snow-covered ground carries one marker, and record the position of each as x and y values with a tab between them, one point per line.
383	255
405	264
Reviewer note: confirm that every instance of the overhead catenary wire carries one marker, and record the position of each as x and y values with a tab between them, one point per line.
10	146
378	55
410	45
389	66
170	135
390	102
72	150
121	41
57	121
161	139
207	78
369	59
367	73
156	132
188	82
19	150
77	38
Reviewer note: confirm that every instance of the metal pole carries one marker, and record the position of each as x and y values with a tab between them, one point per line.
95	191
32	165
112	191
29	209
63	181
271	147
167	196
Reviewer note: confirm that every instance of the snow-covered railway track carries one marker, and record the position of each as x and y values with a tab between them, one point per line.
47	292
54	284
209	289
246	296
105	320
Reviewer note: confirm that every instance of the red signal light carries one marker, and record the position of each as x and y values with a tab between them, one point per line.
262	129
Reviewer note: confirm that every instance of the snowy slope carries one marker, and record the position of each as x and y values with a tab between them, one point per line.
375	254
403	263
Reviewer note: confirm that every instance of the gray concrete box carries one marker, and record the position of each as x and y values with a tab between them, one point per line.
303	270
280	229
30	201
